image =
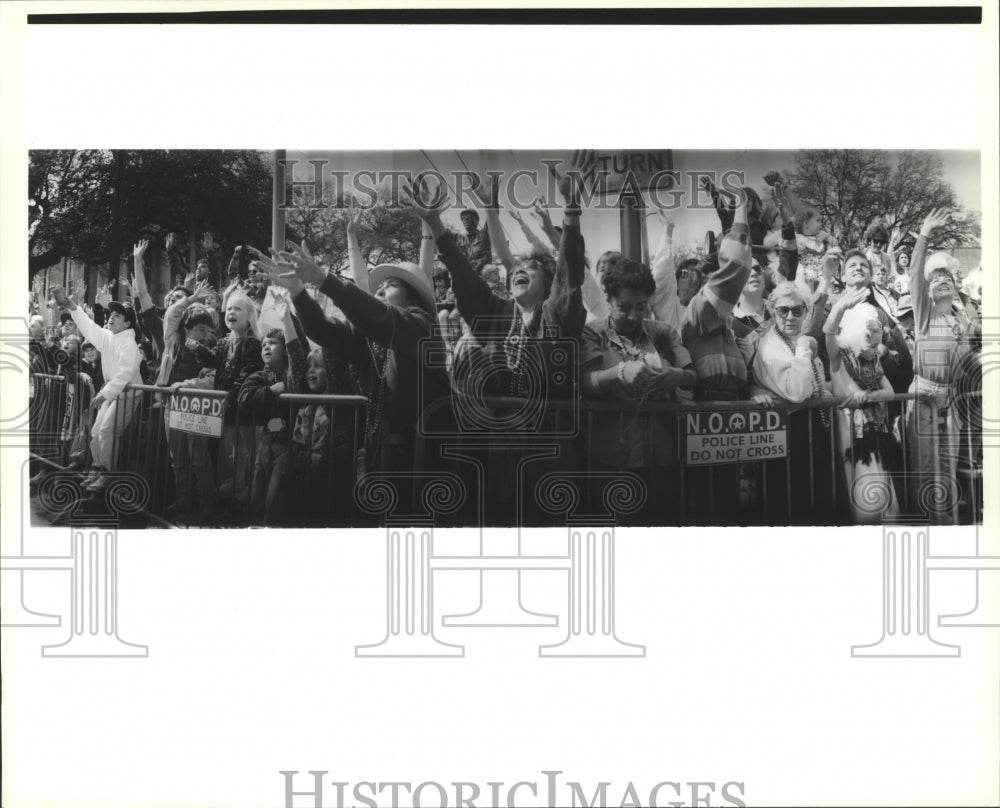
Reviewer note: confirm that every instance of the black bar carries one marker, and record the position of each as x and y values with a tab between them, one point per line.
879	15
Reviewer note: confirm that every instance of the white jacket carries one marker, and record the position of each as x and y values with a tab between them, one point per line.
119	354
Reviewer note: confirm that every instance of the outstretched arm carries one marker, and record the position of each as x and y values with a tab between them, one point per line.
529	234
564	304
542	214
359	270
473	296
145	301
918	284
390	326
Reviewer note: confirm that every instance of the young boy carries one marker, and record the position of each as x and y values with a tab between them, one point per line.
187	327
120	367
284	371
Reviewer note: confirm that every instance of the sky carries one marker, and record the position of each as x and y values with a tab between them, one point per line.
601	228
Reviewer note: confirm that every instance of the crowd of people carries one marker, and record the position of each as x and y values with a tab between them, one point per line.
777	315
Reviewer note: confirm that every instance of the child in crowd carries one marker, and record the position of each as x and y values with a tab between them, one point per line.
283	371
813	242
322	444
186	328
79	393
120	365
236	357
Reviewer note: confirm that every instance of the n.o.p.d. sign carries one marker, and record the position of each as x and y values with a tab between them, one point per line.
197	414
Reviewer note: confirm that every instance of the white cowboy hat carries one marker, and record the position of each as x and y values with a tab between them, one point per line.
413	276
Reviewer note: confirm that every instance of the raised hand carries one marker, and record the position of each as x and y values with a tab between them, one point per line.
666	221
140	249
488	193
298	262
781	201
830	265
936	218
894	238
353	219
541	213
103	296
570	183
170	242
515	214
201	290
427	204
61	298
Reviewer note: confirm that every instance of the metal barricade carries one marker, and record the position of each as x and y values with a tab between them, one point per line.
46	410
812	482
226	482
210	463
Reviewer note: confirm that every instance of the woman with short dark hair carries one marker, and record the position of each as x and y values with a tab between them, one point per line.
629	357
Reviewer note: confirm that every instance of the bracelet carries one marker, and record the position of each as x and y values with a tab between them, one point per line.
425	238
573	211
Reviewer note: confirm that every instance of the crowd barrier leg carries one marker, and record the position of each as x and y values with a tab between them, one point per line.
905	599
499	589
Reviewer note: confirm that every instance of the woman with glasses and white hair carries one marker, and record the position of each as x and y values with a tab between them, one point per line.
787	369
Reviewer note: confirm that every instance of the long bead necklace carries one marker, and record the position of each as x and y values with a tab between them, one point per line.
818	390
376	397
513	347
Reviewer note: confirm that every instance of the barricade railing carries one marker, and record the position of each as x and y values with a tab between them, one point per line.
926	464
212	463
311	464
46	410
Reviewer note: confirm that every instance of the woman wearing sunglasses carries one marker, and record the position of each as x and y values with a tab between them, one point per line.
787	370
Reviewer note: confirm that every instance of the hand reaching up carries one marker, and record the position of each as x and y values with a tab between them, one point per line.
571	183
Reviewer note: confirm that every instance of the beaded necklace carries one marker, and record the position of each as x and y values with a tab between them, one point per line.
865	372
628	349
376	397
818	390
513	347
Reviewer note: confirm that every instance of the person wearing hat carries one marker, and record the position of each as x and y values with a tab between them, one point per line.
475	242
382	338
67	326
120	361
876	253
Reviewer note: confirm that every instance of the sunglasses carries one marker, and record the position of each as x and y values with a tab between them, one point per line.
794	311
